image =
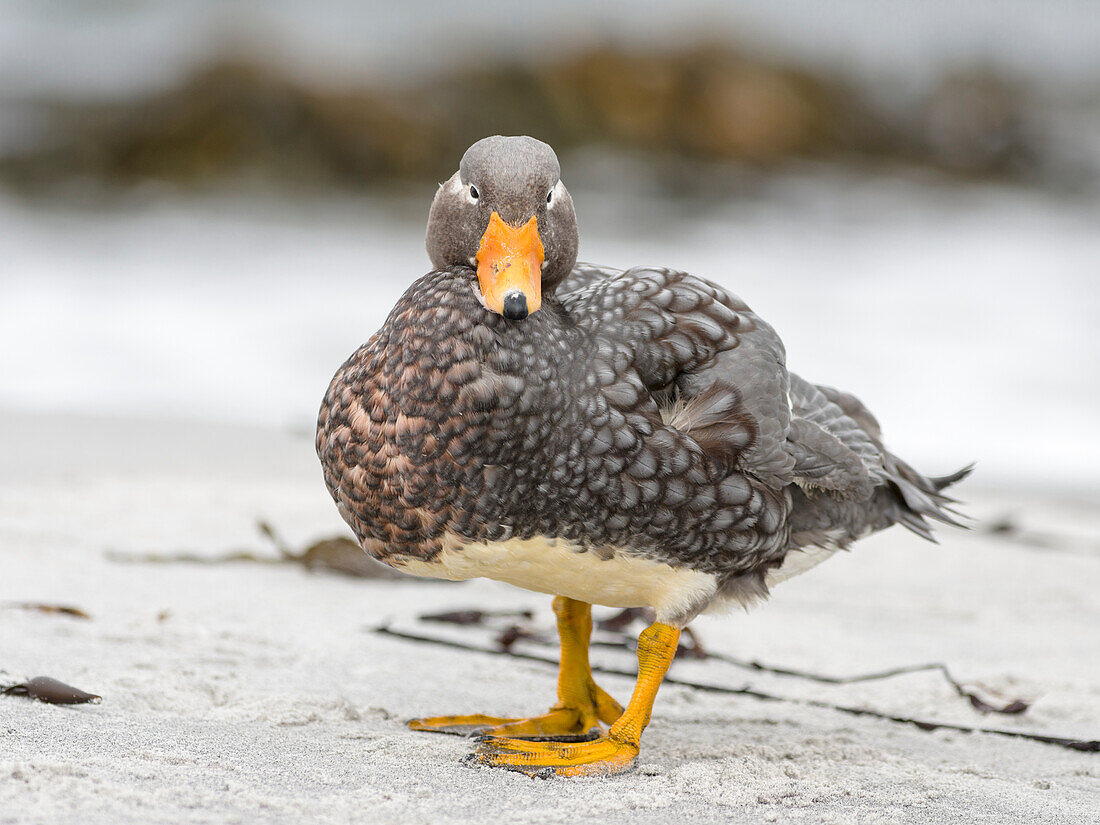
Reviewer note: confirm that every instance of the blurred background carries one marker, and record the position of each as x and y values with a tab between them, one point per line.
206	205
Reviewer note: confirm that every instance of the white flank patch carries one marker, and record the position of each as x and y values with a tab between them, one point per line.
558	567
799	561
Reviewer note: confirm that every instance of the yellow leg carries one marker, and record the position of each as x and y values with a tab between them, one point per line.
581	705
610	754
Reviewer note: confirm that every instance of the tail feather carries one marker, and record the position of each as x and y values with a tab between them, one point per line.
915	523
920	498
943	482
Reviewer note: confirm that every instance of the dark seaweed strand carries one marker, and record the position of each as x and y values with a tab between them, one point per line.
1086	745
1010	708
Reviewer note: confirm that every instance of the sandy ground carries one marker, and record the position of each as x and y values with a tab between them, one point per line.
255	693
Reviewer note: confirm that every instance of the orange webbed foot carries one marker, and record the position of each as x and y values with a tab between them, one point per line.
605	756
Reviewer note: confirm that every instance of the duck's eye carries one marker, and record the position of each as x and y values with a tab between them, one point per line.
550	196
474	193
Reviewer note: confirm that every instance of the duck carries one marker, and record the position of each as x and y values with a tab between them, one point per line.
625	438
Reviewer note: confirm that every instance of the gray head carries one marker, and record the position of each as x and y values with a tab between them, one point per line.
506	213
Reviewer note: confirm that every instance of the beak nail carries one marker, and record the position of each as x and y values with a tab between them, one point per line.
515	306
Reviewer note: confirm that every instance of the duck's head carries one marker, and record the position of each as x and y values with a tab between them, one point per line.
506	213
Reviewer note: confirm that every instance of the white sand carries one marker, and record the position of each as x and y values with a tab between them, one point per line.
248	693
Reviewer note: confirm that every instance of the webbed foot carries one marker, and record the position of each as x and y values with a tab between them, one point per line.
604	756
582	704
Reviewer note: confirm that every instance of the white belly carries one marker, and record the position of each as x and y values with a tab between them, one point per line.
558	567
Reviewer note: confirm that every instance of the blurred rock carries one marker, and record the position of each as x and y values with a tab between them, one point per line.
249	125
228	123
975	123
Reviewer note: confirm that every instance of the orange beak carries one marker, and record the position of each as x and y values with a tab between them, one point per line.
509	268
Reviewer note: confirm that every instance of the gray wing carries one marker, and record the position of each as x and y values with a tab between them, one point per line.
718	373
665	329
801	436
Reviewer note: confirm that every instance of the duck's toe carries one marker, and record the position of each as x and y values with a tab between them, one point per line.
560	724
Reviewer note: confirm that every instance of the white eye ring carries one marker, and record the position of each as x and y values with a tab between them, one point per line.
473	193
556	189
